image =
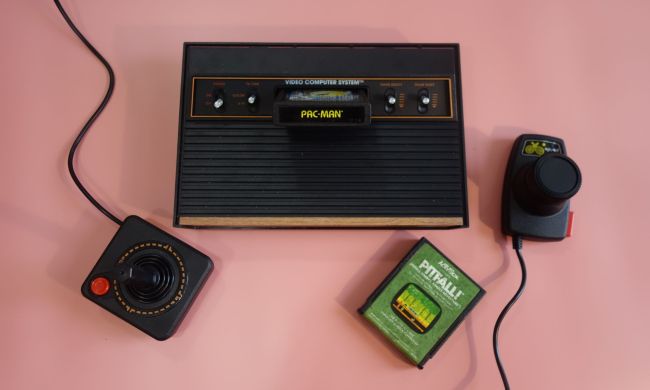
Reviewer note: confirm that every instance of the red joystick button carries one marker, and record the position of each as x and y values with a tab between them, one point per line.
100	286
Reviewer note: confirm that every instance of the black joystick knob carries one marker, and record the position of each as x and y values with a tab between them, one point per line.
144	277
544	186
149	279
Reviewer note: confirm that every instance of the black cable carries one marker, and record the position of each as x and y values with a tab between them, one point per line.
91	120
516	245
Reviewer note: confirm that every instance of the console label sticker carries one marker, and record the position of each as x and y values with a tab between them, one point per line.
323	95
311	114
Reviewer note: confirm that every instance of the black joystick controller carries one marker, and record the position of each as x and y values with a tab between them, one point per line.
147	277
539	182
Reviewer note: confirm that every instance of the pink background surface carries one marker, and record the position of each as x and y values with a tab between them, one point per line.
574	69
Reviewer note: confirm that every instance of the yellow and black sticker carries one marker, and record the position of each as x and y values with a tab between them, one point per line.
539	147
311	114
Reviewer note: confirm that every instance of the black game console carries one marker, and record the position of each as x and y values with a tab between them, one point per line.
307	135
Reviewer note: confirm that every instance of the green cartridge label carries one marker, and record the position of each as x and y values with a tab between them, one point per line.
422	302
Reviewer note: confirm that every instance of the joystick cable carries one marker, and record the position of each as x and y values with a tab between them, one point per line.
93	117
516	245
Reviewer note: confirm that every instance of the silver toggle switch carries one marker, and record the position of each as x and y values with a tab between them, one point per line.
390	100
252	98
218	103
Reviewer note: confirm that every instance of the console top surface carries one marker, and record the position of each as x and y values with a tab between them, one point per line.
321	136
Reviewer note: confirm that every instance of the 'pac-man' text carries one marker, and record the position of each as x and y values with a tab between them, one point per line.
321	114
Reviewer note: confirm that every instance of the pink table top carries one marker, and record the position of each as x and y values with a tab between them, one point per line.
578	70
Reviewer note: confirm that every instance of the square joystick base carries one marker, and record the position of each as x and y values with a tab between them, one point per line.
147	278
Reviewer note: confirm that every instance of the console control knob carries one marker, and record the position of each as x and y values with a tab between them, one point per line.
423	100
252	99
218	103
390	99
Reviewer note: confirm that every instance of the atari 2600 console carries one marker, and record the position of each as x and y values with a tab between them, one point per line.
321	136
